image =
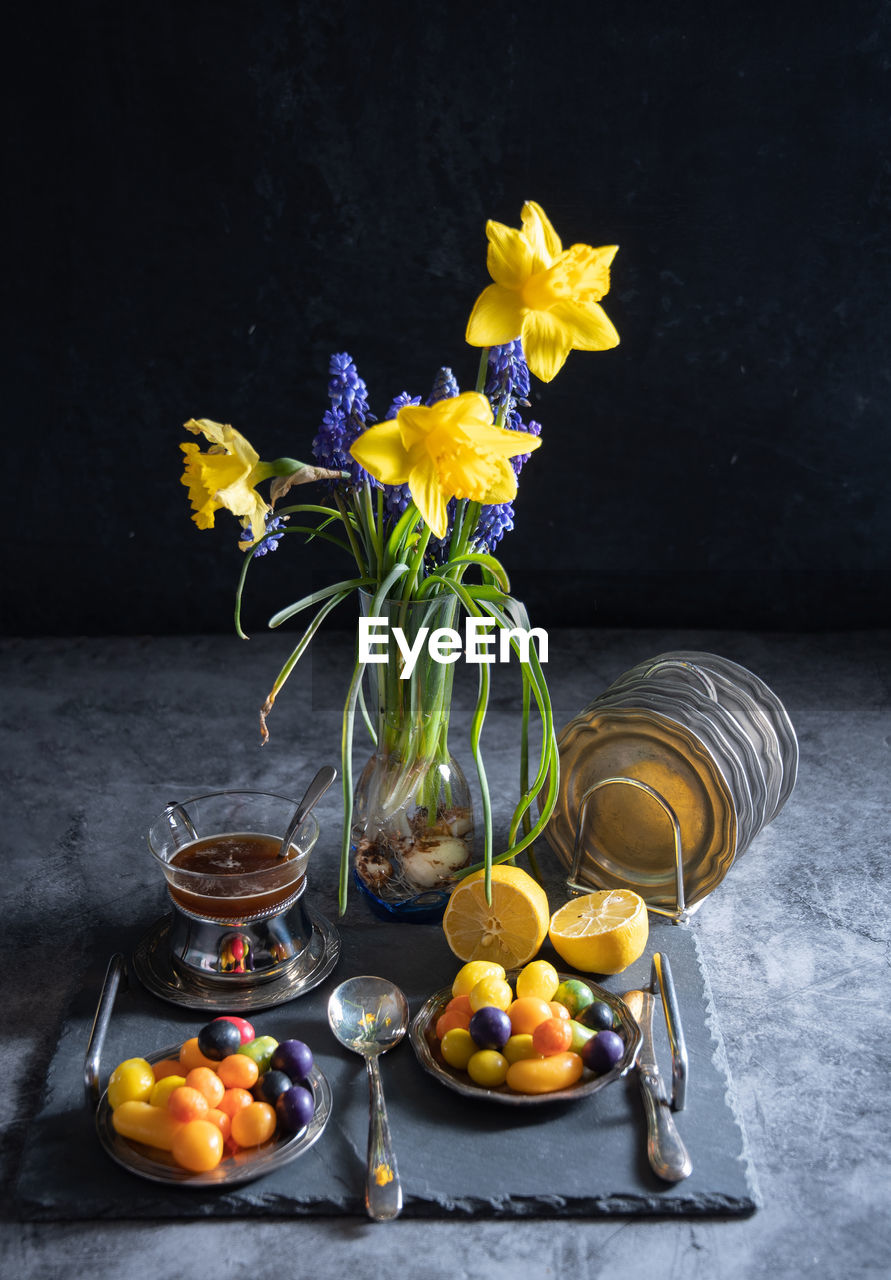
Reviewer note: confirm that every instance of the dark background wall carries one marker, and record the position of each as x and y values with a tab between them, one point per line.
209	197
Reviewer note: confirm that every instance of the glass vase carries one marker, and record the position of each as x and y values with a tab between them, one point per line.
412	809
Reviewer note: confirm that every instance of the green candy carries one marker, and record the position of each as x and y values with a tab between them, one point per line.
261	1050
574	995
580	1035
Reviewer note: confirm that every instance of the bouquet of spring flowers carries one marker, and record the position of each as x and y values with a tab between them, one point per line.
419	502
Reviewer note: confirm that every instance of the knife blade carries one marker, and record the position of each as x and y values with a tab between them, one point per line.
666	1152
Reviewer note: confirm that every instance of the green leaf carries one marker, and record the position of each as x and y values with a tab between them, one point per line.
297	653
346	771
342	589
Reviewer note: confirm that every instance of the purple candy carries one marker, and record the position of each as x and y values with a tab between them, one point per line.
295	1108
490	1027
603	1051
294	1058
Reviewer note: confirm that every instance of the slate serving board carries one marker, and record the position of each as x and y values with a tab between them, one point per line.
457	1159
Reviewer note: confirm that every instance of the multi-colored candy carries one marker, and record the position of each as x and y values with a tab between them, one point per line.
222	1093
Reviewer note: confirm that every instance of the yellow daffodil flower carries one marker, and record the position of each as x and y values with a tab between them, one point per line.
450	449
225	477
544	294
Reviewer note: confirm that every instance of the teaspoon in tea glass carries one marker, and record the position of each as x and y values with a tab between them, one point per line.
370	1015
314	792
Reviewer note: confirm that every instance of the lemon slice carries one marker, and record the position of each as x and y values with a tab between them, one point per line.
602	932
510	931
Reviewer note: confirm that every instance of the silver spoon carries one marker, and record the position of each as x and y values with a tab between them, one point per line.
314	792
369	1016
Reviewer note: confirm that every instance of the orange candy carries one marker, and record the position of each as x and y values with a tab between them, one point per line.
186	1103
167	1067
559	1010
526	1013
190	1056
461	1004
552	1036
198	1146
238	1071
234	1100
221	1120
208	1083
545	1075
254	1124
450	1019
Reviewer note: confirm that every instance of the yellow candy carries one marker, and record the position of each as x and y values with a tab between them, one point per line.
538	978
519	1047
491	991
469	975
141	1122
457	1047
131	1081
163	1089
488	1068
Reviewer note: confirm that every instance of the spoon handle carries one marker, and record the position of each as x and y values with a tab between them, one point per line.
383	1190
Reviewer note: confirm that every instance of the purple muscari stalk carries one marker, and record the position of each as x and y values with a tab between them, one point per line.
445	386
343	422
532	429
507	386
275	531
397	496
507	376
494	522
346	389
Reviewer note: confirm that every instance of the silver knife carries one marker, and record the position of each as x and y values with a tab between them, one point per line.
667	1154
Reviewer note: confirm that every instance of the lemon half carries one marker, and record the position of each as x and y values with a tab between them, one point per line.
602	932
510	931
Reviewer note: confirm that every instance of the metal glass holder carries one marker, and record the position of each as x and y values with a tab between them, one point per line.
677	914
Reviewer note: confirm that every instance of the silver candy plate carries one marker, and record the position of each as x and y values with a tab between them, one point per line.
244	1166
154	967
422	1034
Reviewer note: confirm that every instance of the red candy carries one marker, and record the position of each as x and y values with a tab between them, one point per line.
245	1029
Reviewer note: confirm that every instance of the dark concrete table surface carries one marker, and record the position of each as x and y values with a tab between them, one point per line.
93	732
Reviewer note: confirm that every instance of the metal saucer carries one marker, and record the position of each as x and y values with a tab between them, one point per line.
153	966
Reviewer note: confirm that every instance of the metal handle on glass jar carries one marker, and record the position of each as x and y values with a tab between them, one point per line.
383	1190
314	792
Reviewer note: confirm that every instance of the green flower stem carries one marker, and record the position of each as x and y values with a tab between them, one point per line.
316	531
338	588
476	728
374	528
300	507
296	655
524	750
483	370
348	524
410	586
346	772
549	769
372	732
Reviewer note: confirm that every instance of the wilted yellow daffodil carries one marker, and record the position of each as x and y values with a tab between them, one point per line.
544	294
450	449
225	477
